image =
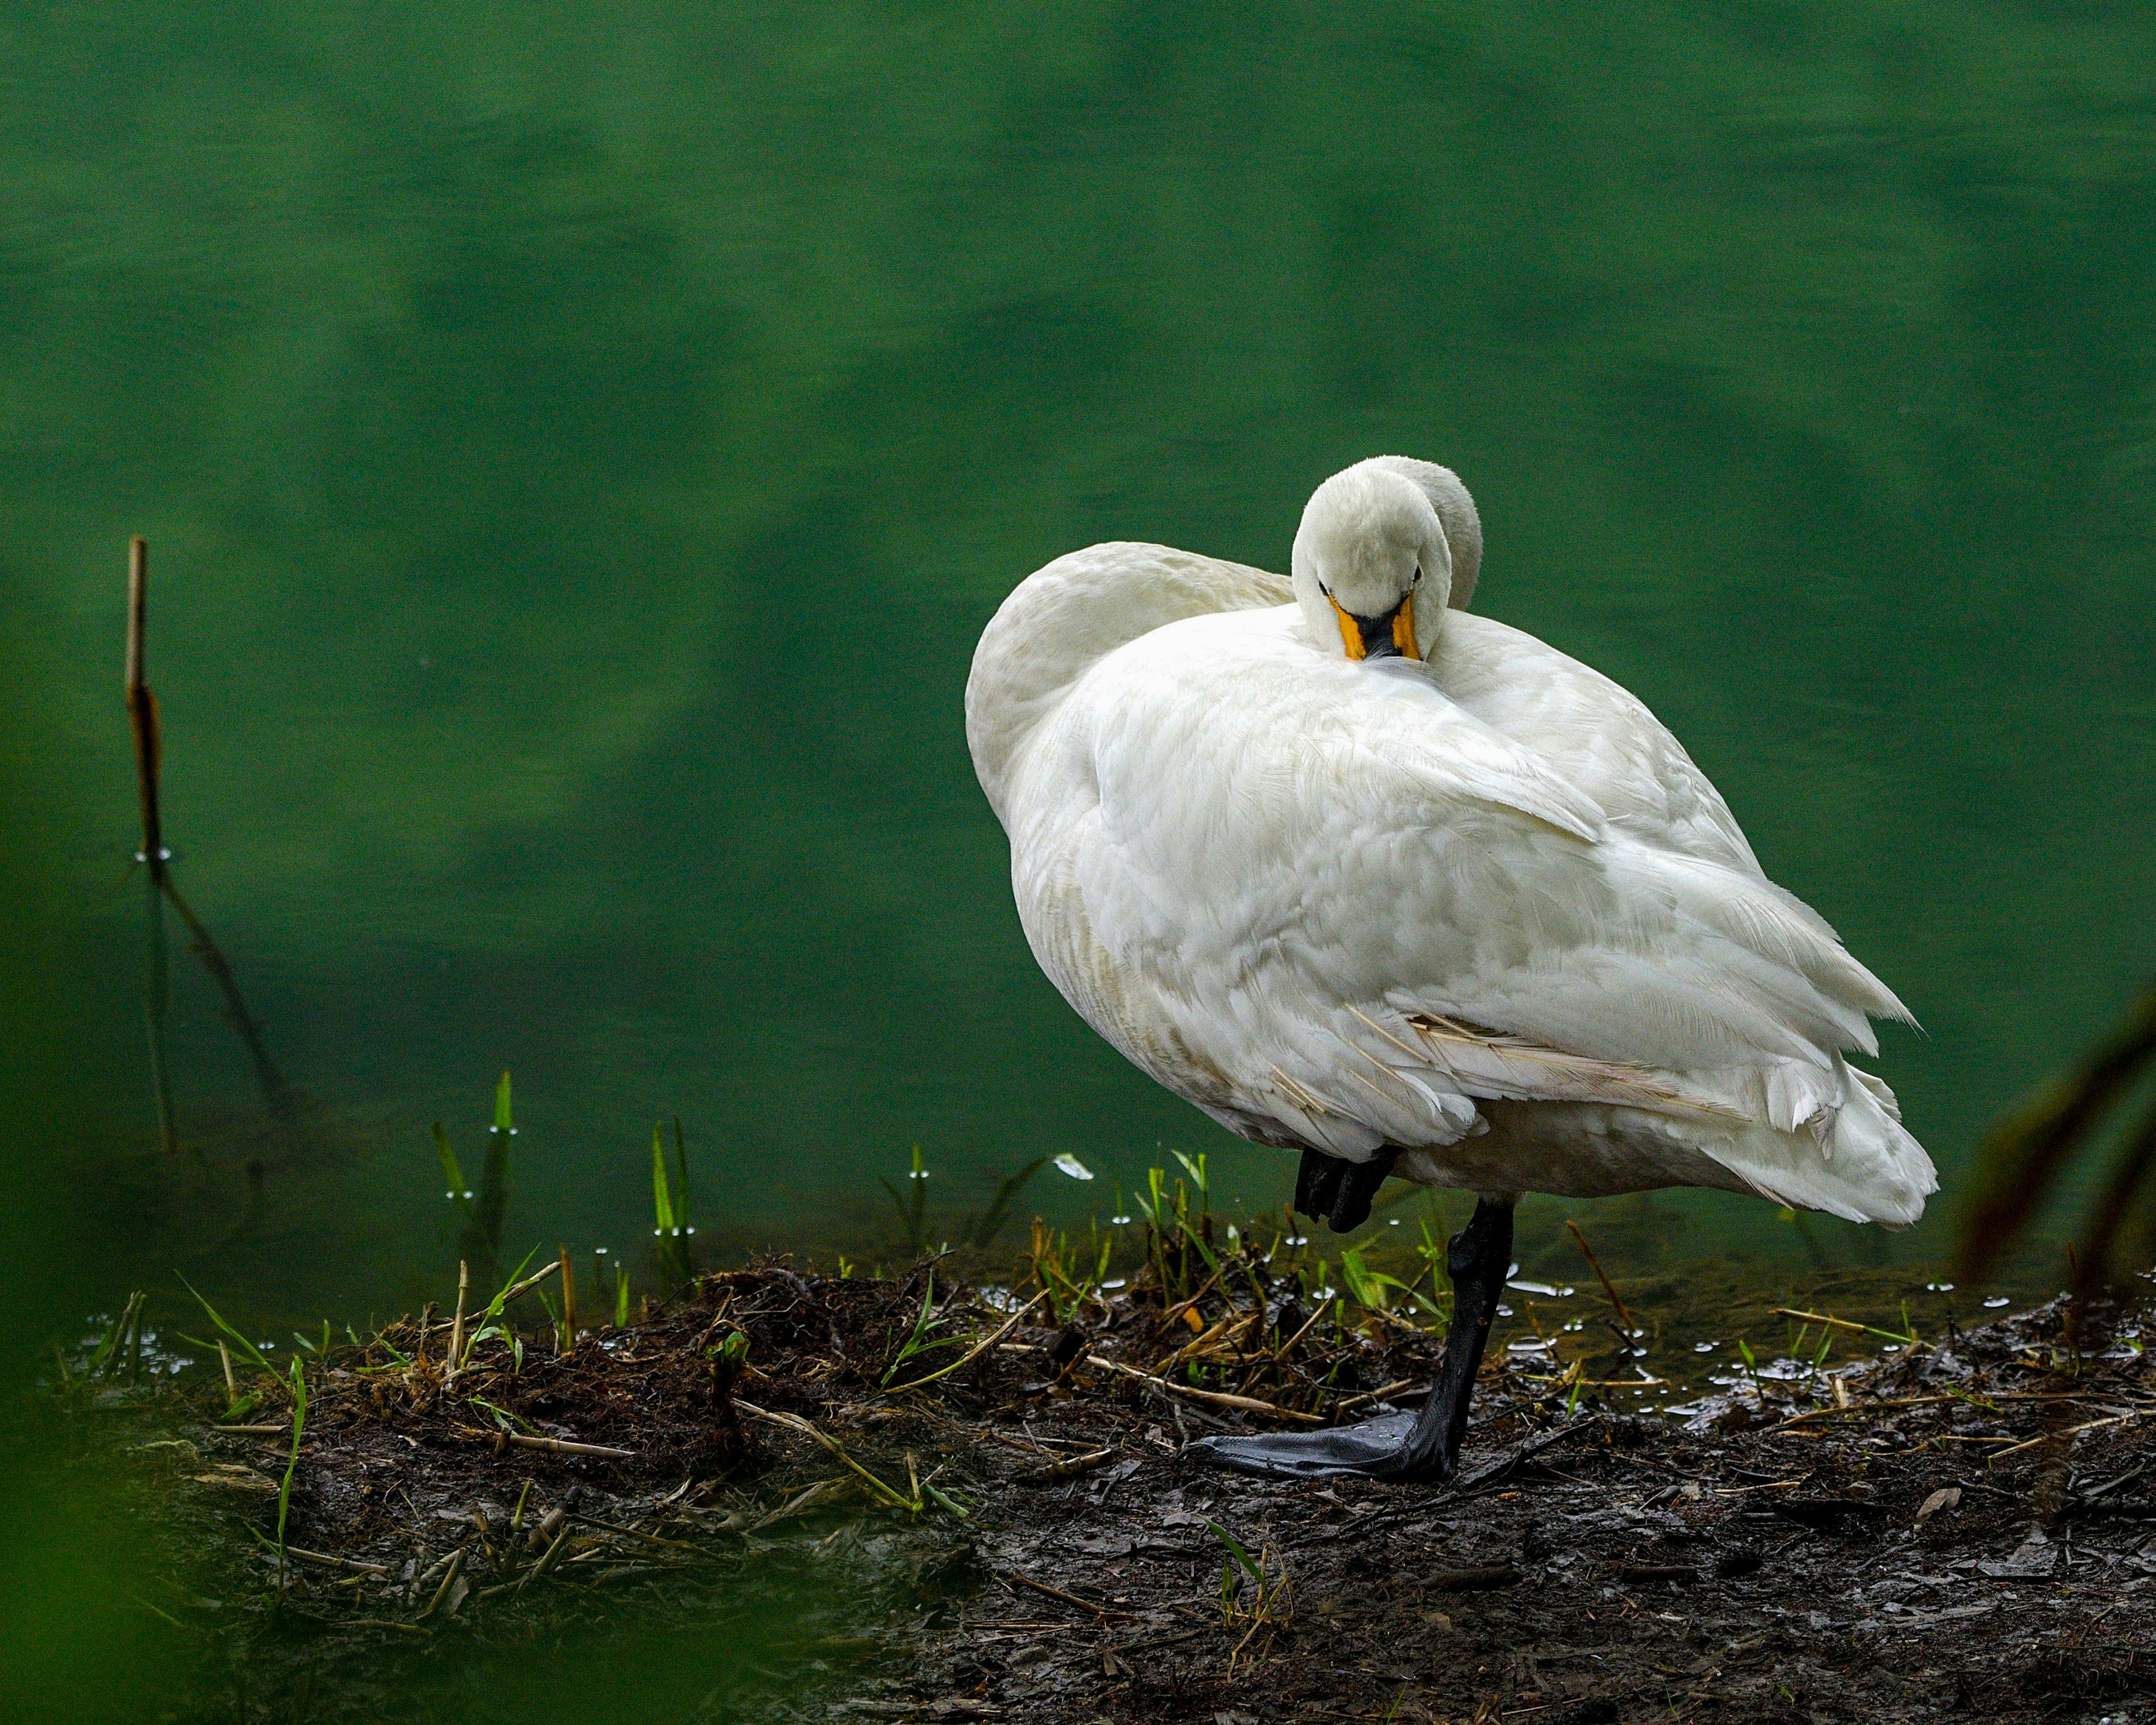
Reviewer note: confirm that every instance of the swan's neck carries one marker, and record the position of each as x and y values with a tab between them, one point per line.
1063	618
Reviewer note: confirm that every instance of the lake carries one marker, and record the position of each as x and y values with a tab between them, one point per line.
578	452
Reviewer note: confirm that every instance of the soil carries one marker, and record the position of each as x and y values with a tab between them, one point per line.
1953	1528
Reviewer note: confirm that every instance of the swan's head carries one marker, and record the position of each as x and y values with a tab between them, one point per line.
1383	548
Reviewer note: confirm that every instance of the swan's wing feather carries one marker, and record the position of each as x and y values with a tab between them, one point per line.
1596	731
1328	901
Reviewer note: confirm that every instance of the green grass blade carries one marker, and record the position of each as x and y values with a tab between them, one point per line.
254	1354
501	1118
452	1176
1236	1551
662	1202
292	1466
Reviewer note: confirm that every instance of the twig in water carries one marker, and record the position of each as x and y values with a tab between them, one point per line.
1608	1287
142	707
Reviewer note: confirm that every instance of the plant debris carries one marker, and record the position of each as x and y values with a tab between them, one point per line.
976	1499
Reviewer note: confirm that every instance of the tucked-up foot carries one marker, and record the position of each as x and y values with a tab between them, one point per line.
1337	1192
1421	1447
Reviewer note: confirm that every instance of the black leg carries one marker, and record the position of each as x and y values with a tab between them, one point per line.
1424	1446
1337	1192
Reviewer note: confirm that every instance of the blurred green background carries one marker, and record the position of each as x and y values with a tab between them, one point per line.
579	448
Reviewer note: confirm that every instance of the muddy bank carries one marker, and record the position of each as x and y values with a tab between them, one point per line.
1950	1530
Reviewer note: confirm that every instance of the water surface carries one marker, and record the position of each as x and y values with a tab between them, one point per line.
579	454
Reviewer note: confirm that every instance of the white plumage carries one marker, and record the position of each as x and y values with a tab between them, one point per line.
1476	905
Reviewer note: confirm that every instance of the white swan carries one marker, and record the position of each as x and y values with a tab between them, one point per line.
1362	874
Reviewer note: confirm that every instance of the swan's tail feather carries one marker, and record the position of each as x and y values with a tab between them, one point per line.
1856	1161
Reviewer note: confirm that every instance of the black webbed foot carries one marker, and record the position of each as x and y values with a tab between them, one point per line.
1424	1446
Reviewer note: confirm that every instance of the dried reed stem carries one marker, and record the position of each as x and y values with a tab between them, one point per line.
1608	1287
142	707
457	1327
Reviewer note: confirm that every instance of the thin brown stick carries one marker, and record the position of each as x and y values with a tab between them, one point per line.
1218	1398
231	1383
565	1337
563	1446
1102	1614
142	707
351	1563
1608	1287
1069	1467
1375	1395
2070	1431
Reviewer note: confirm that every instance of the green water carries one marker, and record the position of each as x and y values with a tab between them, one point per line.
579	449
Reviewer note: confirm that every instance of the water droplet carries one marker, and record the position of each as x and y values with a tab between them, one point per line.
1504	1312
1113	1281
1071	1165
1995	1302
1703	1347
1119	1221
1394	1223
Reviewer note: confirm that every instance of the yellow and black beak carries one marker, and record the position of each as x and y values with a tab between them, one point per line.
1392	636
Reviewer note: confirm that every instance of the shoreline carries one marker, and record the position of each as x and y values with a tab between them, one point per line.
1021	1535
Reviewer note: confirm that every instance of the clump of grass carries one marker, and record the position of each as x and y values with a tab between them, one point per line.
1254	1593
120	1349
922	1339
1065	1279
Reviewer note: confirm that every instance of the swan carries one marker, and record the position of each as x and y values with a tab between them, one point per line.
1369	877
